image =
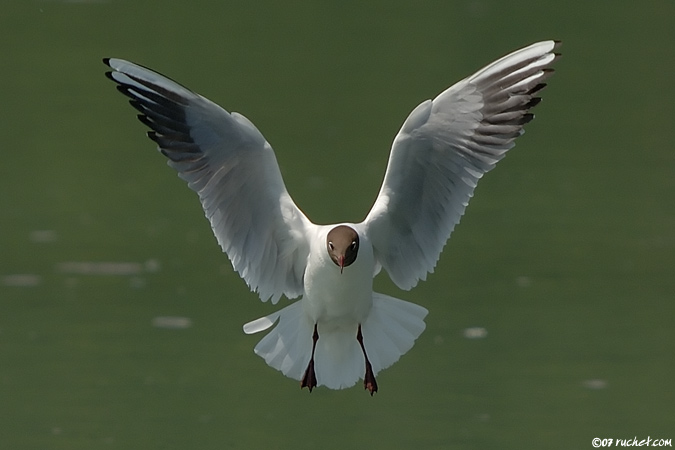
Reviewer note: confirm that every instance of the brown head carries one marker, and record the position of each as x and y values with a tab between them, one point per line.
342	244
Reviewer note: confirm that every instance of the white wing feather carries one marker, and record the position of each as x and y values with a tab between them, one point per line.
443	149
226	160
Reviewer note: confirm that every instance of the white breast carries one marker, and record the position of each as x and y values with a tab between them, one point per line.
333	298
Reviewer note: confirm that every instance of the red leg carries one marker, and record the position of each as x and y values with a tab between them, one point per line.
369	379
309	380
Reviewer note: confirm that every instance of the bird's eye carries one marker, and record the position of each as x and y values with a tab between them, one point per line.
330	246
353	246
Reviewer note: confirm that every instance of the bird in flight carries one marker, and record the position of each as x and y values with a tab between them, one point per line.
340	331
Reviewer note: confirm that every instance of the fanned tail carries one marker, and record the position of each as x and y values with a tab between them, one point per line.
288	346
389	331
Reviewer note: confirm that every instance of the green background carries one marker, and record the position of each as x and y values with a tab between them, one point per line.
565	256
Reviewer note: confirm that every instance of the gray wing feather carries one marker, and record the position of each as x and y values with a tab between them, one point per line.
443	148
225	159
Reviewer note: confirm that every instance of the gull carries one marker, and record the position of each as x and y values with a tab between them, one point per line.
340	331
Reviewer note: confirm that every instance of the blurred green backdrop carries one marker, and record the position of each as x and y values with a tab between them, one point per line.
565	258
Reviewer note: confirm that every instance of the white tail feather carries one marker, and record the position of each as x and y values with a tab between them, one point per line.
288	346
389	331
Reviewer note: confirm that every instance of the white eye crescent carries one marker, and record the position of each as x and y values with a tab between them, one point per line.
330	246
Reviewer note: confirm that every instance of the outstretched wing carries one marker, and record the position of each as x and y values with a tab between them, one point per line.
443	149
224	158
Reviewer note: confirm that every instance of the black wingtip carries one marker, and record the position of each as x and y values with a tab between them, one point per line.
556	46
532	103
527	118
106	61
537	88
144	120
